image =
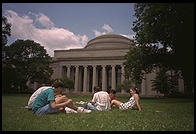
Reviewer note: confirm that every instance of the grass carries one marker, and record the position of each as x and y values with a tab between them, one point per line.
164	114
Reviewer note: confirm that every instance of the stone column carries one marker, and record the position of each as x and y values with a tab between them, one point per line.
68	71
76	78
85	79
113	77
143	85
181	84
122	77
94	78
60	71
104	78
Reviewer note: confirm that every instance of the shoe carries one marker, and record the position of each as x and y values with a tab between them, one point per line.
82	110
81	102
69	110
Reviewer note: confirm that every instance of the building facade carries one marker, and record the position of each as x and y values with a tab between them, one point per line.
99	63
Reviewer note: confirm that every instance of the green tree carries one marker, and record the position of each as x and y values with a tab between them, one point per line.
170	27
6	31
28	60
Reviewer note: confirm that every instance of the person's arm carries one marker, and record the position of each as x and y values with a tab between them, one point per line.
53	104
137	102
92	102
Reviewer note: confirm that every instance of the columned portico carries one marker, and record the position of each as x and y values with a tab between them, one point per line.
99	63
82	77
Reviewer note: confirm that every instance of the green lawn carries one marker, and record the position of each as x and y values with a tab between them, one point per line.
156	115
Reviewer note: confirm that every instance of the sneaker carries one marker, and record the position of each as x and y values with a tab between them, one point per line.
81	102
82	110
69	110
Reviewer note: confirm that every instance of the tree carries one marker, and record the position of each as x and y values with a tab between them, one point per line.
6	31
170	27
29	62
165	82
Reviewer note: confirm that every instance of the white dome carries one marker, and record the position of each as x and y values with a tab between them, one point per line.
109	41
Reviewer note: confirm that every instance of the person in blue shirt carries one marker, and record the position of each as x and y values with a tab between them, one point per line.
45	102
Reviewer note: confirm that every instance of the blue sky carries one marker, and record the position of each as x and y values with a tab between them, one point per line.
67	25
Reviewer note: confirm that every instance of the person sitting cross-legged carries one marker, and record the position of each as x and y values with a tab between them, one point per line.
45	102
100	101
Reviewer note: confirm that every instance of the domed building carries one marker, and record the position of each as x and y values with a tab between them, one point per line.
99	63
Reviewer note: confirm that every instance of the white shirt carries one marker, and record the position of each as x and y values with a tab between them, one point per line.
102	101
35	94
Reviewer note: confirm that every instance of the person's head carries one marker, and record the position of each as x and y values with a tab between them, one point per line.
112	91
134	90
58	86
97	89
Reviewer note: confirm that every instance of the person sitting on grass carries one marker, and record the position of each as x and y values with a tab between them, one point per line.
134	100
34	95
58	99
100	101
45	102
112	95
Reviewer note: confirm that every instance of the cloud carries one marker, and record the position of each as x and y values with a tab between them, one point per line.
107	28
110	30
45	21
51	37
130	36
97	33
104	27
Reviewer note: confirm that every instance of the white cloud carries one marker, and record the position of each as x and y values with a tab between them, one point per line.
51	37
130	36
110	30
107	28
97	33
45	21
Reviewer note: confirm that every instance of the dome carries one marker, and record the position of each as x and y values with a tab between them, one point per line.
109	41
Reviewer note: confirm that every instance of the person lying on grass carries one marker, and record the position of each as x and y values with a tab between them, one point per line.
45	102
100	101
134	100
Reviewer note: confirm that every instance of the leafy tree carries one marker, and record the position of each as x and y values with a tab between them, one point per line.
170	27
28	60
6	31
124	86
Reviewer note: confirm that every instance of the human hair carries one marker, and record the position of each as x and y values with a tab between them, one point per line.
136	90
97	89
57	84
113	91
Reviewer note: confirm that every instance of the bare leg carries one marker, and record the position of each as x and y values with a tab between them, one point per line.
70	104
116	103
